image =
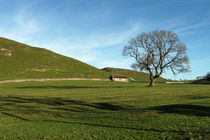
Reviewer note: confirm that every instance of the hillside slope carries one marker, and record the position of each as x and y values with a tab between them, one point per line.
20	61
132	75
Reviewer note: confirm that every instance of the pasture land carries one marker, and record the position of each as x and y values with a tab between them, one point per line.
103	110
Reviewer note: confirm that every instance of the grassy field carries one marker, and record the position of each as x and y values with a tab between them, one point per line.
104	110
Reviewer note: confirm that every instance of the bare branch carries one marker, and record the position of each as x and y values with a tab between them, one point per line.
158	50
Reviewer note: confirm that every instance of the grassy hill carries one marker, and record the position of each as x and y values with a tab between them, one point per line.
18	61
132	75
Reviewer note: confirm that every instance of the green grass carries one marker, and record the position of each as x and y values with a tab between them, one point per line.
132	75
104	110
20	61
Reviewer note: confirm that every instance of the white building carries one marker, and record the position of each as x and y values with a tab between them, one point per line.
118	78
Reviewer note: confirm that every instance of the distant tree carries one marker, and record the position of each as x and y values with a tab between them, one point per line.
207	76
157	51
199	77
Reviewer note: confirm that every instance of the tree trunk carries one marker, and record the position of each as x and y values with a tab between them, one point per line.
152	82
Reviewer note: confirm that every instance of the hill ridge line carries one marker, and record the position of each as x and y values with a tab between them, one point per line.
22	61
52	79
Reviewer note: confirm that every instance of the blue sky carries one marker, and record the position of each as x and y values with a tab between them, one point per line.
95	31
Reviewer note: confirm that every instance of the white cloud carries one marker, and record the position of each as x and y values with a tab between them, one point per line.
191	27
22	28
89	49
201	61
174	22
97	40
124	63
181	25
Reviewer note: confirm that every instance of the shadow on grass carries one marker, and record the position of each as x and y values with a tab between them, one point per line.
124	127
58	103
103	125
14	116
72	87
23	104
195	97
193	110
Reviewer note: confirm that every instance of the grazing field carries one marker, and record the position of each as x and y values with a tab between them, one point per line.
104	110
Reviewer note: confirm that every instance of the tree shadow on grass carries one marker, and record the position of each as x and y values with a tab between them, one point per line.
57	87
68	105
124	127
72	87
81	106
185	109
104	125
15	116
57	103
195	97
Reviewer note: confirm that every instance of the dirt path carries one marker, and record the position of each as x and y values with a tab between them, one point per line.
52	79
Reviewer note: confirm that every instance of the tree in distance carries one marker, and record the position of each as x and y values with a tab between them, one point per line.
157	51
207	76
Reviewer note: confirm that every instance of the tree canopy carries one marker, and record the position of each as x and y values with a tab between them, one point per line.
157	51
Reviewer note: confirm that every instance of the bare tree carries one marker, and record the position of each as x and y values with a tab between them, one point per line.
157	51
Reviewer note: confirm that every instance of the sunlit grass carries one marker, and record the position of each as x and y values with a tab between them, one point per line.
103	110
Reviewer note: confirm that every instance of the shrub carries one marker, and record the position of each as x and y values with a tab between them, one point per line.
208	76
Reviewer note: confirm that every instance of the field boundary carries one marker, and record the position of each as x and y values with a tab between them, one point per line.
53	79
